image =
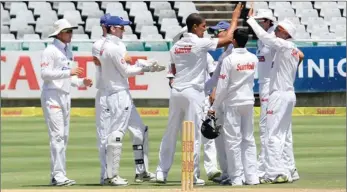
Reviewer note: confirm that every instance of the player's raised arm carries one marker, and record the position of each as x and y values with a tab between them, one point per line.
227	39
266	38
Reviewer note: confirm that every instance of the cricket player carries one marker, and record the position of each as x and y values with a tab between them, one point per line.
219	30
210	157
58	76
235	92
282	99
103	114
189	56
265	56
123	114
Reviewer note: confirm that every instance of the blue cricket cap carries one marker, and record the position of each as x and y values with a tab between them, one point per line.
222	25
103	19
115	20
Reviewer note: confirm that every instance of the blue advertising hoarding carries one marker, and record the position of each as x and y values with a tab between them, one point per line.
322	70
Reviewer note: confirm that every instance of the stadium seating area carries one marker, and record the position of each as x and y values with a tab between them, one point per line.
155	23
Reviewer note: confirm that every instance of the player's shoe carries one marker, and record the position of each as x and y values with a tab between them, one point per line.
199	182
220	178
106	181
116	181
295	175
265	180
229	182
146	176
66	182
214	175
160	178
281	179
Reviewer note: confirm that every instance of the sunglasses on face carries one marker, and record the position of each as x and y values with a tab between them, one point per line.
67	31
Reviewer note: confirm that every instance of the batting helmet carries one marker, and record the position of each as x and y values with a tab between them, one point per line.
209	127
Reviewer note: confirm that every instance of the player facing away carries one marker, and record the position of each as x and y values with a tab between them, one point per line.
103	114
58	77
219	31
123	114
235	92
189	56
265	56
281	101
210	157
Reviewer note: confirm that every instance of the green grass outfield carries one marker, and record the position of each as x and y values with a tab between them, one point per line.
319	145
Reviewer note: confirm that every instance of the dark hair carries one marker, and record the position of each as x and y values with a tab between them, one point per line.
241	37
193	19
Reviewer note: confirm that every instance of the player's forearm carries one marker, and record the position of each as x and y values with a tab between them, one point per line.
76	82
262	35
131	71
49	75
227	39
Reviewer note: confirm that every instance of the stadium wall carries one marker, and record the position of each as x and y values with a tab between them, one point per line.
321	79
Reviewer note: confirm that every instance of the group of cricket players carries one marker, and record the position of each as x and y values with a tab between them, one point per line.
199	87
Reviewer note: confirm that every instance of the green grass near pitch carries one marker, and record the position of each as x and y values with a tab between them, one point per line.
319	145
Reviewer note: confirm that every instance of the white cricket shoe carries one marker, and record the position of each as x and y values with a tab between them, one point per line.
199	182
295	175
116	181
66	182
214	174
160	178
106	181
146	176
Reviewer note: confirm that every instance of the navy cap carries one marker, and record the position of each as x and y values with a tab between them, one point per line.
221	25
115	20
103	19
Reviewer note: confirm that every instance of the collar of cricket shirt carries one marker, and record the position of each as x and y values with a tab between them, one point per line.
64	48
239	50
113	38
191	35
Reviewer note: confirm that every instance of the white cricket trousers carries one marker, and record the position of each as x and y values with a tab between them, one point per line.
220	146
264	97
279	158
240	144
123	114
185	105
102	119
56	108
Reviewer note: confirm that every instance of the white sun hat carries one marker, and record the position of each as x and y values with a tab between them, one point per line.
60	25
264	14
288	26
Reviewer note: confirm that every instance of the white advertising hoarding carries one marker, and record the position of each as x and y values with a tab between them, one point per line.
21	77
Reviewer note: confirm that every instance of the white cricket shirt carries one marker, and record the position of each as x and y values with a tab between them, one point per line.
56	63
96	53
286	59
265	56
189	55
236	80
212	82
114	70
